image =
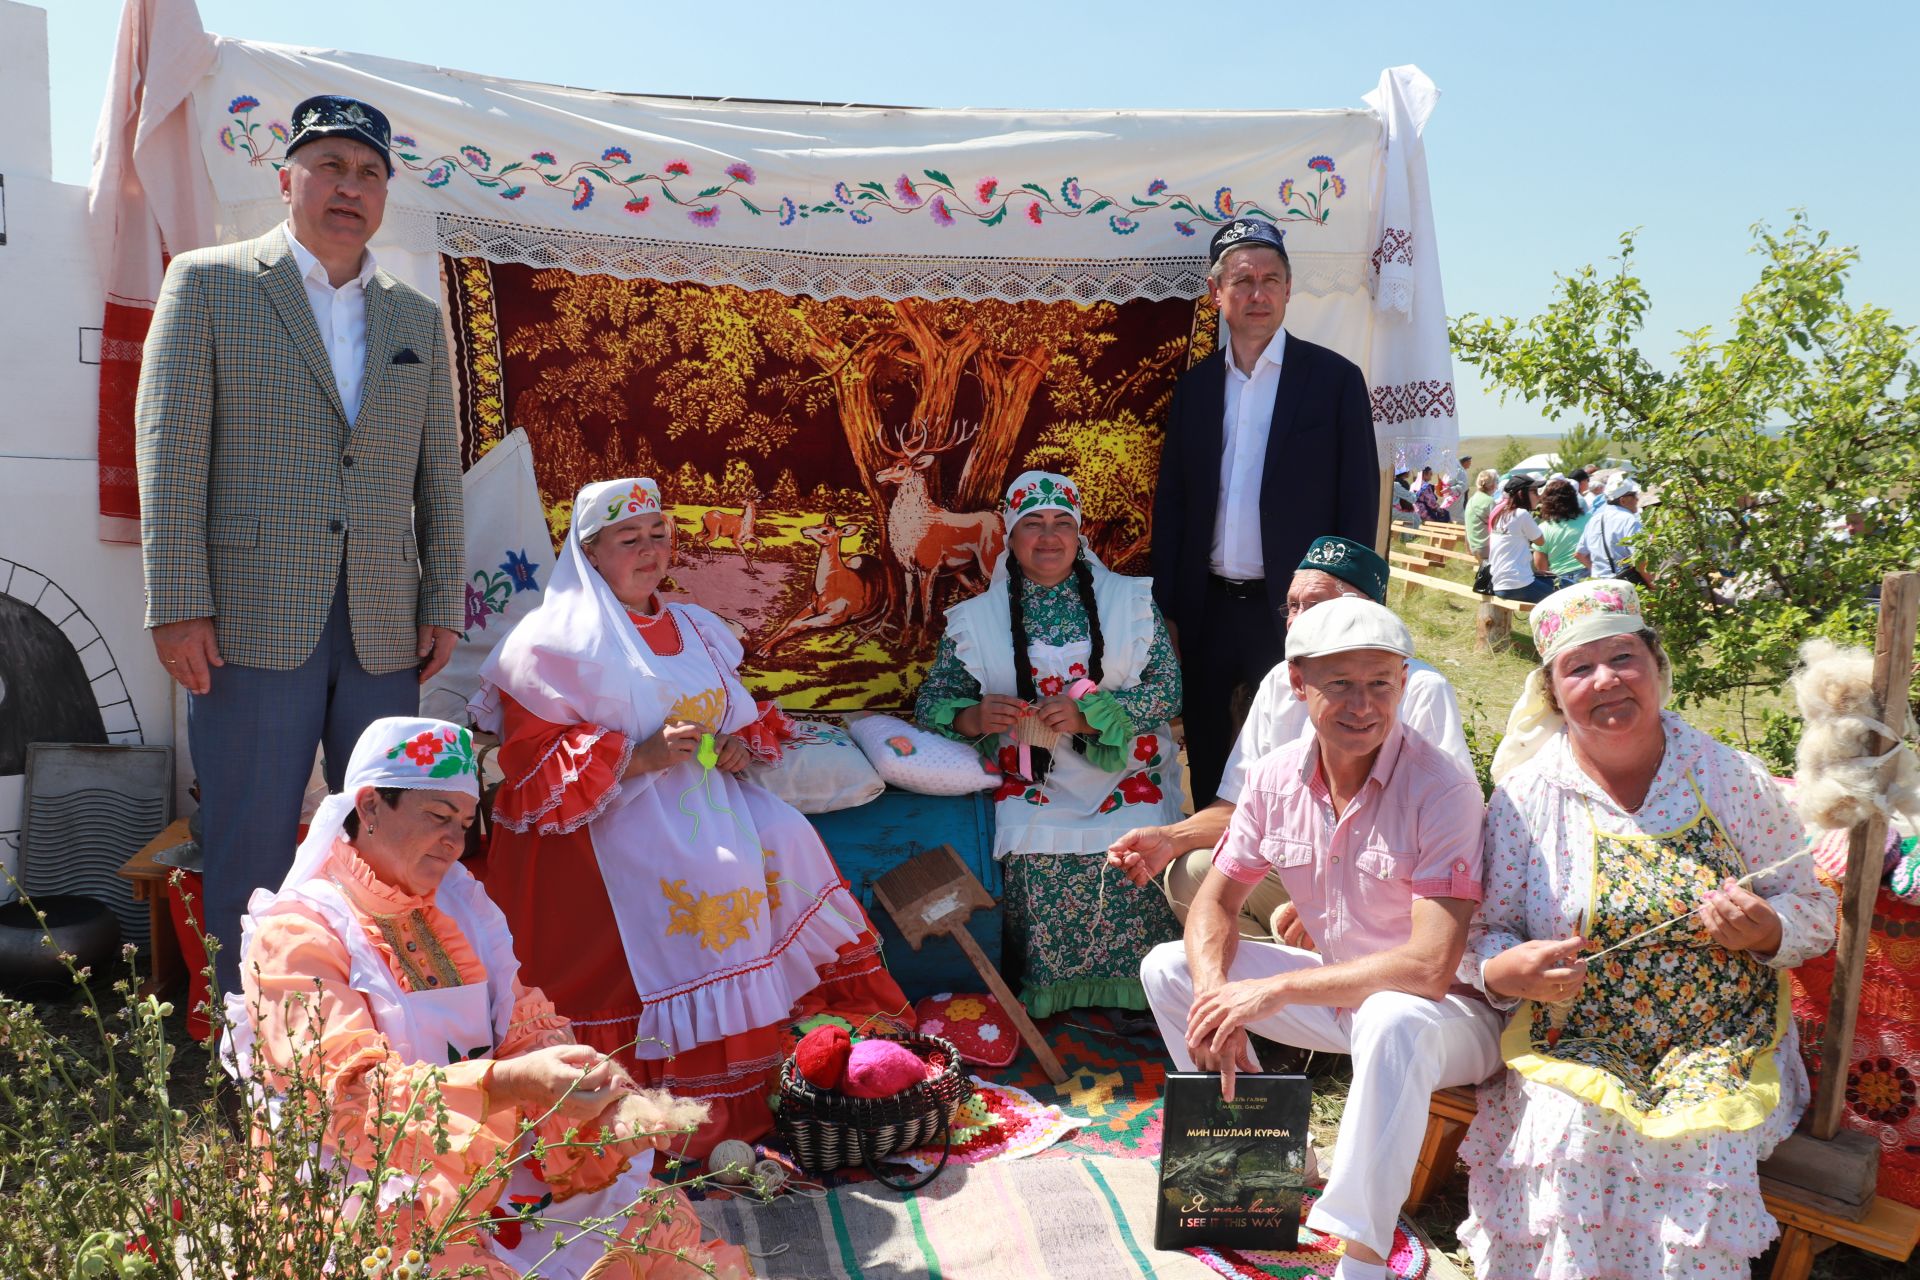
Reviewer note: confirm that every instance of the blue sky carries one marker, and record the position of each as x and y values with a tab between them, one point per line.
1560	125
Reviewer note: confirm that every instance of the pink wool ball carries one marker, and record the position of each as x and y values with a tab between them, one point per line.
880	1069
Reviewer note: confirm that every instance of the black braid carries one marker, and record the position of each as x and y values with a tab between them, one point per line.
1083	577
1022	662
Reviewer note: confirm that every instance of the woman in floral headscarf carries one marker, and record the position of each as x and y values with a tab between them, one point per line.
1648	1072
1064	672
682	915
379	975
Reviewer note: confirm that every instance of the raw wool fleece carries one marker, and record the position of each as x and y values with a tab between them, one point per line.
658	1112
1838	767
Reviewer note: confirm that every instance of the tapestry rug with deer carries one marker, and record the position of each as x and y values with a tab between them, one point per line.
833	466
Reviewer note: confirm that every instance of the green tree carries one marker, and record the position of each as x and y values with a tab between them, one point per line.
1510	454
1764	445
1581	446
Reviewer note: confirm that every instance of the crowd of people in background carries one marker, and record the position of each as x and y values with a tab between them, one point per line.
1534	536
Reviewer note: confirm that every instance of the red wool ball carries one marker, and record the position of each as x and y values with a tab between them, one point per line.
821	1056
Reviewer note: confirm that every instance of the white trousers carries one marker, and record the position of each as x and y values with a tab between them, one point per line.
1403	1048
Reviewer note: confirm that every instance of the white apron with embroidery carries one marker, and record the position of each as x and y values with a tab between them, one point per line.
443	1027
1076	808
728	903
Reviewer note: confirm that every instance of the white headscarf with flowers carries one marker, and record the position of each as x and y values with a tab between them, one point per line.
576	657
611	501
409	752
1035	491
1571	616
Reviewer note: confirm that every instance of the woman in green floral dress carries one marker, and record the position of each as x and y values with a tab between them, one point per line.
1063	672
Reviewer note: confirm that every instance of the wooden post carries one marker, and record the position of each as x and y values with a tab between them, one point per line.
1892	672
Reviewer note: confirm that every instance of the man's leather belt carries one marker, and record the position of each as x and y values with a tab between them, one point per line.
1238	590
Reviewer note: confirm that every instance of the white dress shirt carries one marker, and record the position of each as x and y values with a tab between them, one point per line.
1243	458
342	316
1428	709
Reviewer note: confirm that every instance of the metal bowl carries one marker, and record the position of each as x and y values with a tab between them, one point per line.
81	927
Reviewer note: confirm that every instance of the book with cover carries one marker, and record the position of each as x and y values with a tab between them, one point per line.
1231	1173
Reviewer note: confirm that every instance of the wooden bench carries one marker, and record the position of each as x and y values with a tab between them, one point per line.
1414	563
1488	628
1889	1230
1440	530
1443	551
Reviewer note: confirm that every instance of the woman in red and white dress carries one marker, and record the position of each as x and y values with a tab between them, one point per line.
677	913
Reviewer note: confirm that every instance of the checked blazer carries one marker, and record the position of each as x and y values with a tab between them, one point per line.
254	487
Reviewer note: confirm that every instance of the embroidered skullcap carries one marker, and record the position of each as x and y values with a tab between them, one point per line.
610	501
1242	232
1040	491
1351	562
332	116
1571	616
1347	624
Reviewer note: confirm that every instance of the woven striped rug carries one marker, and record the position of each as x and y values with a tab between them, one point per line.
1082	1218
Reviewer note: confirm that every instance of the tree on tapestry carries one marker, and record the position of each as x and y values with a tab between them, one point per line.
834	466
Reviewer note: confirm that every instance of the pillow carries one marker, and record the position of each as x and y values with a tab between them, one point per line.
915	760
975	1025
820	770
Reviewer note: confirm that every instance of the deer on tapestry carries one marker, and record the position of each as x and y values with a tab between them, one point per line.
716	524
927	539
847	590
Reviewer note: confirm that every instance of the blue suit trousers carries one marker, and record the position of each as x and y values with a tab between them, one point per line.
252	737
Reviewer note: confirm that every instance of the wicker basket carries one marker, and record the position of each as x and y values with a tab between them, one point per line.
825	1130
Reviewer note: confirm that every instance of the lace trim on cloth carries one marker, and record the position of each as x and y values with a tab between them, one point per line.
818	275
559	790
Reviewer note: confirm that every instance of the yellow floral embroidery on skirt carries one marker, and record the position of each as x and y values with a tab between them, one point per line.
716	920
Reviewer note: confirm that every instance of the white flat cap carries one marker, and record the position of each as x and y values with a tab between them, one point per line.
1345	624
1621	488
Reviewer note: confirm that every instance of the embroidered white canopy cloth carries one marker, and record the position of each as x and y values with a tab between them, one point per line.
830	201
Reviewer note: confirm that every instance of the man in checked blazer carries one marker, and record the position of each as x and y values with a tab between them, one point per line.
300	501
1269	445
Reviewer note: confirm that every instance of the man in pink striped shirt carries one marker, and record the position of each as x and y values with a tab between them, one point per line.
1376	836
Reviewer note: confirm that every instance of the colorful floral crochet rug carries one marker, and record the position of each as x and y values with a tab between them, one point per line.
999	1122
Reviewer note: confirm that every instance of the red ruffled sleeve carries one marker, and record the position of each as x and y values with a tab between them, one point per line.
558	778
768	735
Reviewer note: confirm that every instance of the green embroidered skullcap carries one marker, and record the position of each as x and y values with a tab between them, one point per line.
1350	562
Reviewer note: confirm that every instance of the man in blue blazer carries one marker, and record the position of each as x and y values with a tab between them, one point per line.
1269	445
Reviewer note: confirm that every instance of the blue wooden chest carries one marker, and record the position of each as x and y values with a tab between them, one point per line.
874	838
